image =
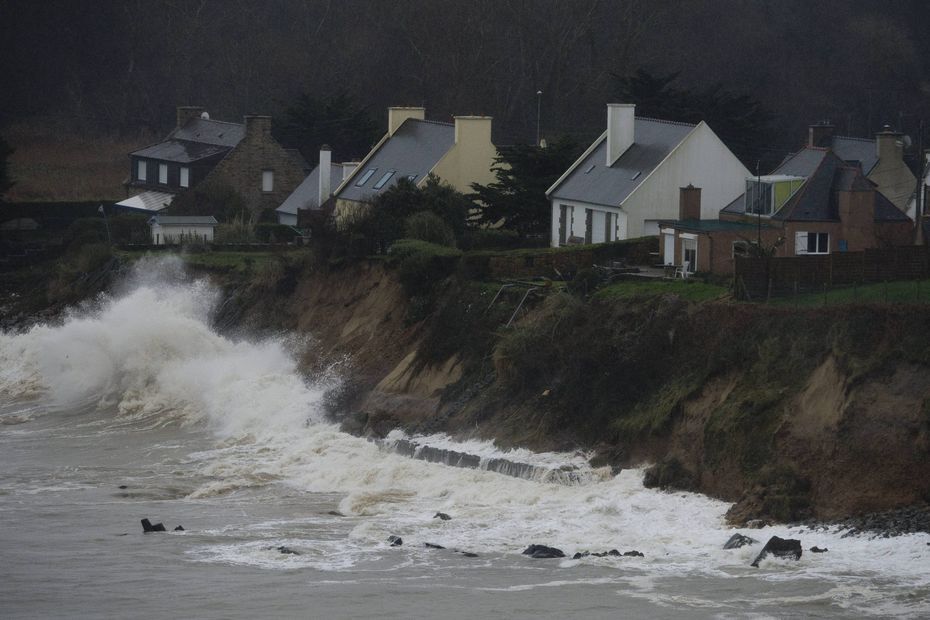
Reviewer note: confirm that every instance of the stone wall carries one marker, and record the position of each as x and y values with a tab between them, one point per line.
258	151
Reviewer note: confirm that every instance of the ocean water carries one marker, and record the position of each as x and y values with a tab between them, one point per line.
135	407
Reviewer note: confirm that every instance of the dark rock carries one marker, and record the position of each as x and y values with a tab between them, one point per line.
148	527
179	528
443	516
542	552
123	486
287	550
434	546
634	554
396	541
670	474
739	540
816	549
469	554
780	548
579	555
335	513
613	552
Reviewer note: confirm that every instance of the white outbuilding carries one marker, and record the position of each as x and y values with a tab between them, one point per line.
630	178
175	229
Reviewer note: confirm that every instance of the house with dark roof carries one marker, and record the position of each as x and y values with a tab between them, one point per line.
458	153
629	178
243	155
814	203
314	192
881	160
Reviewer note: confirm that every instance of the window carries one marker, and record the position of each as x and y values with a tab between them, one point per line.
758	197
365	177
689	254
811	243
387	177
185	176
142	170
163	174
267	180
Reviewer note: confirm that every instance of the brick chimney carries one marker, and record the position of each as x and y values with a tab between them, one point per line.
689	203
820	134
620	123
889	145
325	191
397	116
186	113
257	128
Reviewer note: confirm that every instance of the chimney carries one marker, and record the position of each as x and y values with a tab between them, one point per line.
325	168
348	168
257	128
889	145
473	129
397	116
820	134
620	122
186	113
689	203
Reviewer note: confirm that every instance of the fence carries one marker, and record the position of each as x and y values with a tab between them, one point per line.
759	278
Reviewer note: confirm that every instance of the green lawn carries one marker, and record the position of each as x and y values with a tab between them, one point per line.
224	261
902	292
688	290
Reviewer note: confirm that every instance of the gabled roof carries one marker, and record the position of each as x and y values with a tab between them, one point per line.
220	133
180	151
861	150
184	220
306	196
198	139
591	180
414	148
815	201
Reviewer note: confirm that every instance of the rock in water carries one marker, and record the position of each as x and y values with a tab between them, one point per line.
816	549
287	550
442	515
541	552
179	528
469	554
780	548
434	546
739	540
634	554
148	527
396	541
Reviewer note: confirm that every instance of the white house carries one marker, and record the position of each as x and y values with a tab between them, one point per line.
630	178
173	229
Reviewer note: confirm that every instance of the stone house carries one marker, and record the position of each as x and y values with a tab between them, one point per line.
628	179
458	153
244	156
813	203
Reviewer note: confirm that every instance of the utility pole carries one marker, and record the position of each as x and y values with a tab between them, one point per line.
758	206
106	223
538	113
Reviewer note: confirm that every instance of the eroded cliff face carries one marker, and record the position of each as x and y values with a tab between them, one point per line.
790	414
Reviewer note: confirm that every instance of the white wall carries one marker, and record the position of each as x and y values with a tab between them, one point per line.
163	235
578	220
288	219
701	160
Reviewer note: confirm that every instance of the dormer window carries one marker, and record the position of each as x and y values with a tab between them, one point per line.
766	195
163	174
142	170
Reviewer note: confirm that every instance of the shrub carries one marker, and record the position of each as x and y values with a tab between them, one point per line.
427	226
423	264
490	238
274	233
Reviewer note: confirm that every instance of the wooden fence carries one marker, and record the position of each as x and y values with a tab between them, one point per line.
760	278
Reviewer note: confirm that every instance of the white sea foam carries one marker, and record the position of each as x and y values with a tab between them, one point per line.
150	355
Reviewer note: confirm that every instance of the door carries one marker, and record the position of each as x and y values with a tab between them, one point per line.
563	224
598	227
689	254
588	218
668	252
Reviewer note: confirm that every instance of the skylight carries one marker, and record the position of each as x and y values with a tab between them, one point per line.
636	176
590	168
387	177
365	177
